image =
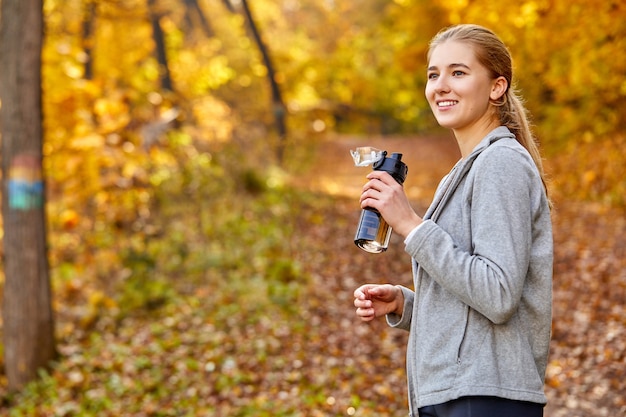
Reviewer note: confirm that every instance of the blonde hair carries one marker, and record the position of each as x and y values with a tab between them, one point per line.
493	54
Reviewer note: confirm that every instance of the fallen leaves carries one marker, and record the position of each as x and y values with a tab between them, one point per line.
587	372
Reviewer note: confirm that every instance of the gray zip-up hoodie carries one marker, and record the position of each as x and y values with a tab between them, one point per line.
480	316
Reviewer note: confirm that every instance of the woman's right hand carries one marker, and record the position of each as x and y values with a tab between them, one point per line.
372	300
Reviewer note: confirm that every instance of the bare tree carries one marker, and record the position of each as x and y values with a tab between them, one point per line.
89	18
28	319
193	12
159	41
279	110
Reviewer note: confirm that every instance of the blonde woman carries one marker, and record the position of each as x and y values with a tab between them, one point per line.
480	313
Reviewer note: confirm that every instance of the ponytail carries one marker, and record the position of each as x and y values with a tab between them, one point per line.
514	116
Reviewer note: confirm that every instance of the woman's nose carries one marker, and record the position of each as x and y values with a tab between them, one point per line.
441	85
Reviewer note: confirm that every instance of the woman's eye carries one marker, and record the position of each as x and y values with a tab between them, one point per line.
432	76
457	73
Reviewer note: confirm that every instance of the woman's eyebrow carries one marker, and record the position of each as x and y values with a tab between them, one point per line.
453	65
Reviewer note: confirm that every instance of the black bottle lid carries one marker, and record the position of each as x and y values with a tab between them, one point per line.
393	165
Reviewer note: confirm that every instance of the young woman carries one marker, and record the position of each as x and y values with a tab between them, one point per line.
480	314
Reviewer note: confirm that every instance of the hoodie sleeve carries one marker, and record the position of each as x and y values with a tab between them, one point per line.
404	321
497	196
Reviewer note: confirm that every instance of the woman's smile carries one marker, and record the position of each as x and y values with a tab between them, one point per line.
446	104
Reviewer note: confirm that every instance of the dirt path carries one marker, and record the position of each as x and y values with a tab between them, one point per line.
428	160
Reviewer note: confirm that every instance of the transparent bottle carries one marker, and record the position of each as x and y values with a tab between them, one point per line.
373	232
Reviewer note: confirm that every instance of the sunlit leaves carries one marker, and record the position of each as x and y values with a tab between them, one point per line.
529	14
591	171
112	112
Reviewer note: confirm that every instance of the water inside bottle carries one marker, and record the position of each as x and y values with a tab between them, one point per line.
373	233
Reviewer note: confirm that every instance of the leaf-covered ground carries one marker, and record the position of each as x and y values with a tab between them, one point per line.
260	322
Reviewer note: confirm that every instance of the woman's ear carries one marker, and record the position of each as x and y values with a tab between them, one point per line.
499	87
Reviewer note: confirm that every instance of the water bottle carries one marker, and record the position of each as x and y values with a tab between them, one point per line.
373	232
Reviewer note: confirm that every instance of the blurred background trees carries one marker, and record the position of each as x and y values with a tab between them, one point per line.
123	72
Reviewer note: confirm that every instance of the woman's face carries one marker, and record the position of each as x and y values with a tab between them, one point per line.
459	88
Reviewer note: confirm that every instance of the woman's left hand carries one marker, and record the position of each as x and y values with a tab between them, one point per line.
384	194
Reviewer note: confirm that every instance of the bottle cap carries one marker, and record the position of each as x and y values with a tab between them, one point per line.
394	166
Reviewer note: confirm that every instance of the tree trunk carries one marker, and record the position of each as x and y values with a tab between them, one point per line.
279	109
27	312
161	52
89	18
193	8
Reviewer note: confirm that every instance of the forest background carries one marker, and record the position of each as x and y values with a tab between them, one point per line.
200	251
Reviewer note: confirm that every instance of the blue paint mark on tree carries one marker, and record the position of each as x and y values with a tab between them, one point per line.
25	195
25	183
